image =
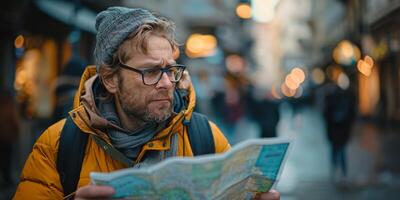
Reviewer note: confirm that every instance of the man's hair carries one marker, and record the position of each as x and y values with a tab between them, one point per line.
117	25
138	40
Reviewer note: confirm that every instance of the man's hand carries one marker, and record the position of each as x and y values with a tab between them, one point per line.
271	195
185	81
94	192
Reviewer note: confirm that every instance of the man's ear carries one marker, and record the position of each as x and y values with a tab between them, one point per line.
109	78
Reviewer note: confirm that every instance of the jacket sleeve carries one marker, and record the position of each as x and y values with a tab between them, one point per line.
39	178
221	143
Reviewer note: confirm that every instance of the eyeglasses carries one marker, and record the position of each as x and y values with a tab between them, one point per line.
153	76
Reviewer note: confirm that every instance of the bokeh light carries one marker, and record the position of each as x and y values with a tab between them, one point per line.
292	82
365	66
287	91
346	53
199	45
19	41
318	76
299	74
343	81
243	10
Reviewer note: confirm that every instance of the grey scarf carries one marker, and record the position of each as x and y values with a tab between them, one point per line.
130	143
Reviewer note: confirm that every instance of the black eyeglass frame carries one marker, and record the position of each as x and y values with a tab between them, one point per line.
162	69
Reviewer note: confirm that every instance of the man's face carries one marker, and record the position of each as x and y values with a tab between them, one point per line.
148	103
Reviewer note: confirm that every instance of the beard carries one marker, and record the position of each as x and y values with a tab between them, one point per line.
146	113
135	108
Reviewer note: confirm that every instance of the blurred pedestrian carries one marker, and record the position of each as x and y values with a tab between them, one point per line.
265	111
339	114
9	132
229	106
66	86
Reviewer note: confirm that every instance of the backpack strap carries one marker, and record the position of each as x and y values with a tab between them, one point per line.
71	151
200	135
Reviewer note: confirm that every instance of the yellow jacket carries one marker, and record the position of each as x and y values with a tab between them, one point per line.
40	179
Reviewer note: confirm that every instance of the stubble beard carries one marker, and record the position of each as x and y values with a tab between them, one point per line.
143	112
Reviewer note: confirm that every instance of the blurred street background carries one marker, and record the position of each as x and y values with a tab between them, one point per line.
325	73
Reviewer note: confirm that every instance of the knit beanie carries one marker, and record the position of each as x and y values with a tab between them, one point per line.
113	26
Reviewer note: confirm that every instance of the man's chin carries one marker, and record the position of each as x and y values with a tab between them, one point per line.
164	104
159	115
159	118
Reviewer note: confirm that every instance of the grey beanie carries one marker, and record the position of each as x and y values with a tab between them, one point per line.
113	26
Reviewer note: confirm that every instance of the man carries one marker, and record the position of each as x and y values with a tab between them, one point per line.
129	102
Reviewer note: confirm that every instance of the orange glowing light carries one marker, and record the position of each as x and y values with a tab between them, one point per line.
369	61
19	41
299	73
368	92
346	52
195	43
292	82
347	48
287	91
243	10
318	76
199	45
363	67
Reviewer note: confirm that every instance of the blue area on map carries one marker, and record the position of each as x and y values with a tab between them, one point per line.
270	159
130	186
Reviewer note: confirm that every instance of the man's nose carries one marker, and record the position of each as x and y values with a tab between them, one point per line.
164	82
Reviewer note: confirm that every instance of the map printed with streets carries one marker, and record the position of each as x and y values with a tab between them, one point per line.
249	167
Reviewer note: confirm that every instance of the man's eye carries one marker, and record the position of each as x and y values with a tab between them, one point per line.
154	71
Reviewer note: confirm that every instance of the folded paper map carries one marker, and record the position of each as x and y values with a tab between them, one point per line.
249	167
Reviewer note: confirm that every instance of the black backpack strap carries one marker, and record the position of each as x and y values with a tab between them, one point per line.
71	150
200	135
